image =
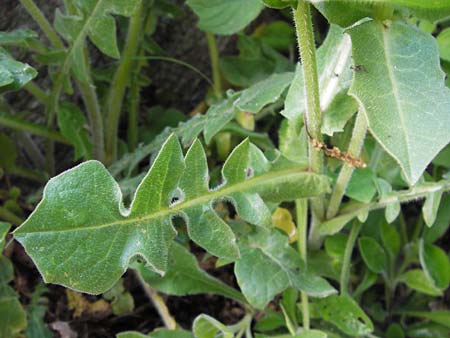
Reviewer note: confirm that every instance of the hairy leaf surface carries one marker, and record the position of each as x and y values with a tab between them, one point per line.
268	266
333	66
401	88
14	74
83	237
93	20
184	277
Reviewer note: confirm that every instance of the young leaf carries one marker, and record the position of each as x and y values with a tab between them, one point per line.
14	74
442	223
373	254
431	206
362	185
390	238
72	122
267	253
333	63
184	277
435	264
208	327
219	17
344	313
417	280
81	236
338	113
94	20
410	122
253	99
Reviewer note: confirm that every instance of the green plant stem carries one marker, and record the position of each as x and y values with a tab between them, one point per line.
32	128
10	217
43	23
47	28
345	272
301	209
27	173
354	149
313	118
37	92
402	196
214	57
119	84
158	303
90	99
133	111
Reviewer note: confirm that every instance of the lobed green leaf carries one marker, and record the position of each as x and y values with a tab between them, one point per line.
81	235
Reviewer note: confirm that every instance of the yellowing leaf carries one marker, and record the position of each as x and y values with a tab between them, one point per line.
282	219
80	305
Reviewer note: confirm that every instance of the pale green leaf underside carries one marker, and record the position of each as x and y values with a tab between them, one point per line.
81	236
225	17
333	66
402	90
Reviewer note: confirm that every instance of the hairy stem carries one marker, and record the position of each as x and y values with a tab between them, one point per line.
43	23
119	84
90	99
301	208
214	57
158	303
354	149
345	272
402	196
313	116
32	128
37	92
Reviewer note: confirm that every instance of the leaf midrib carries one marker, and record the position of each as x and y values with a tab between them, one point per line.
395	92
178	208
